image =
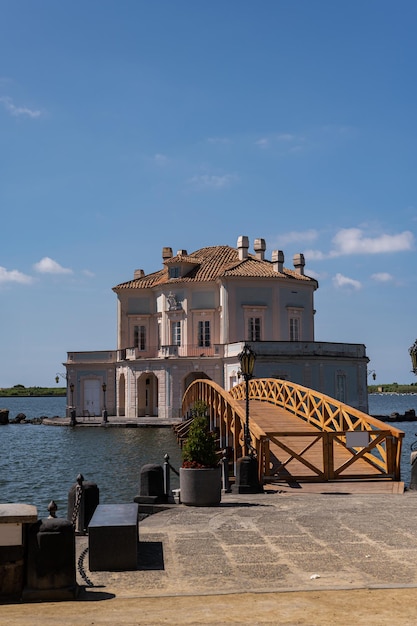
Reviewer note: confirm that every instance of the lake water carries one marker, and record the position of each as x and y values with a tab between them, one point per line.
41	463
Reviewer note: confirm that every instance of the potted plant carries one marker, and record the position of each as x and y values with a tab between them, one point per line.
200	474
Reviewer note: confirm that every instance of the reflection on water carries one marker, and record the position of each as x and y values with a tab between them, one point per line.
40	463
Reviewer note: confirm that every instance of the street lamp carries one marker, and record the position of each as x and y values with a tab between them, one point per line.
413	355
247	364
373	374
70	408
104	414
247	479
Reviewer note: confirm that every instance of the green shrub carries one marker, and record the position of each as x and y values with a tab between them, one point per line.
199	450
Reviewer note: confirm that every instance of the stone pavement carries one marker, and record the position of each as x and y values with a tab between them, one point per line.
273	558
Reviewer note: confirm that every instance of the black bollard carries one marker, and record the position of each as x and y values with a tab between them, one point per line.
83	499
247	476
151	490
51	573
73	421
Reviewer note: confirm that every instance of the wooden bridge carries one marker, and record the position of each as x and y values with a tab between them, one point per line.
300	435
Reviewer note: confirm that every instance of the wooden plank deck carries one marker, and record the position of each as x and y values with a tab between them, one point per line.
305	440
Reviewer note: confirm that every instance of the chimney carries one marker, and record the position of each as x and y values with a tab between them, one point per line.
278	260
242	247
138	274
182	253
259	246
299	263
166	254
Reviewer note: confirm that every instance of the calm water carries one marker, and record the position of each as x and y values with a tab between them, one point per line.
41	463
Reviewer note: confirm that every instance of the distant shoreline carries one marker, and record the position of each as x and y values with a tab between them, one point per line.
20	391
32	395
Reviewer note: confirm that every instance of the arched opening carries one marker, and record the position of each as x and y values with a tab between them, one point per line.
147	395
192	377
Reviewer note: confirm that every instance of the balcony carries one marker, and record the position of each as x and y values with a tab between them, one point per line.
170	351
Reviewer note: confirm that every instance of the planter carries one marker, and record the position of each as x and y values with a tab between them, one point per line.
201	487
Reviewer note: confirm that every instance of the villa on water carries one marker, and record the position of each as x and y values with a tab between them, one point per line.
190	318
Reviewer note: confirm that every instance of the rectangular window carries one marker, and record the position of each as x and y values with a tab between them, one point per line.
140	337
176	333
294	329
254	329
174	272
204	334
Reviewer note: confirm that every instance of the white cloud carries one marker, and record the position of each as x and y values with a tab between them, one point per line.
340	281
349	241
286	137
213	181
263	142
352	241
49	266
16	110
14	276
295	141
160	159
382	277
88	273
296	236
314	255
314	274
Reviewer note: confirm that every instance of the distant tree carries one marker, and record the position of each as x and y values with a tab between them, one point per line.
19	387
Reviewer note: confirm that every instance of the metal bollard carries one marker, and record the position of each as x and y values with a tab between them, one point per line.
225	472
167	476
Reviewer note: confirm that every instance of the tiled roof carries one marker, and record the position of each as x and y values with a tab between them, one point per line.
209	264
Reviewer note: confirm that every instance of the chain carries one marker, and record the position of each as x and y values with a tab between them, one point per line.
81	568
78	497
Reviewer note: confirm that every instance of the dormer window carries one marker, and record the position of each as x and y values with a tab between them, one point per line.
174	272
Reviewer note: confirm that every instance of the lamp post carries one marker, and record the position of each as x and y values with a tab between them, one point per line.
104	414
247	364
373	374
247	480
70	408
413	355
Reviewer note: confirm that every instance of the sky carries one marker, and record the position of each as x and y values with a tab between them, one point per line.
130	125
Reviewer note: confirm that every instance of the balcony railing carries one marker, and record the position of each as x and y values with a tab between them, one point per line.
170	351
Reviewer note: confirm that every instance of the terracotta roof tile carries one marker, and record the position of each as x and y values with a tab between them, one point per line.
211	263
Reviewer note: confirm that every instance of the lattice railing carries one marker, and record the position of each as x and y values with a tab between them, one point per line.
332	418
383	450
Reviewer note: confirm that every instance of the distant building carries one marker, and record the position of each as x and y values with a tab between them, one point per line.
190	319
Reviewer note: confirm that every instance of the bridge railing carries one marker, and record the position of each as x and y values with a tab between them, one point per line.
226	416
382	450
335	421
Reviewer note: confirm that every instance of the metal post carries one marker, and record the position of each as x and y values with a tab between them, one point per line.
104	413
248	446
225	472
167	476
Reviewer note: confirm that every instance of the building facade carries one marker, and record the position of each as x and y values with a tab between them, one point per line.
190	320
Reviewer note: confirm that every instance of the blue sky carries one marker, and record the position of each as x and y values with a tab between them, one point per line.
128	126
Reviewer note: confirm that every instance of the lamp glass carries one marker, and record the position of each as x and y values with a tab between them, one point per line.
247	361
